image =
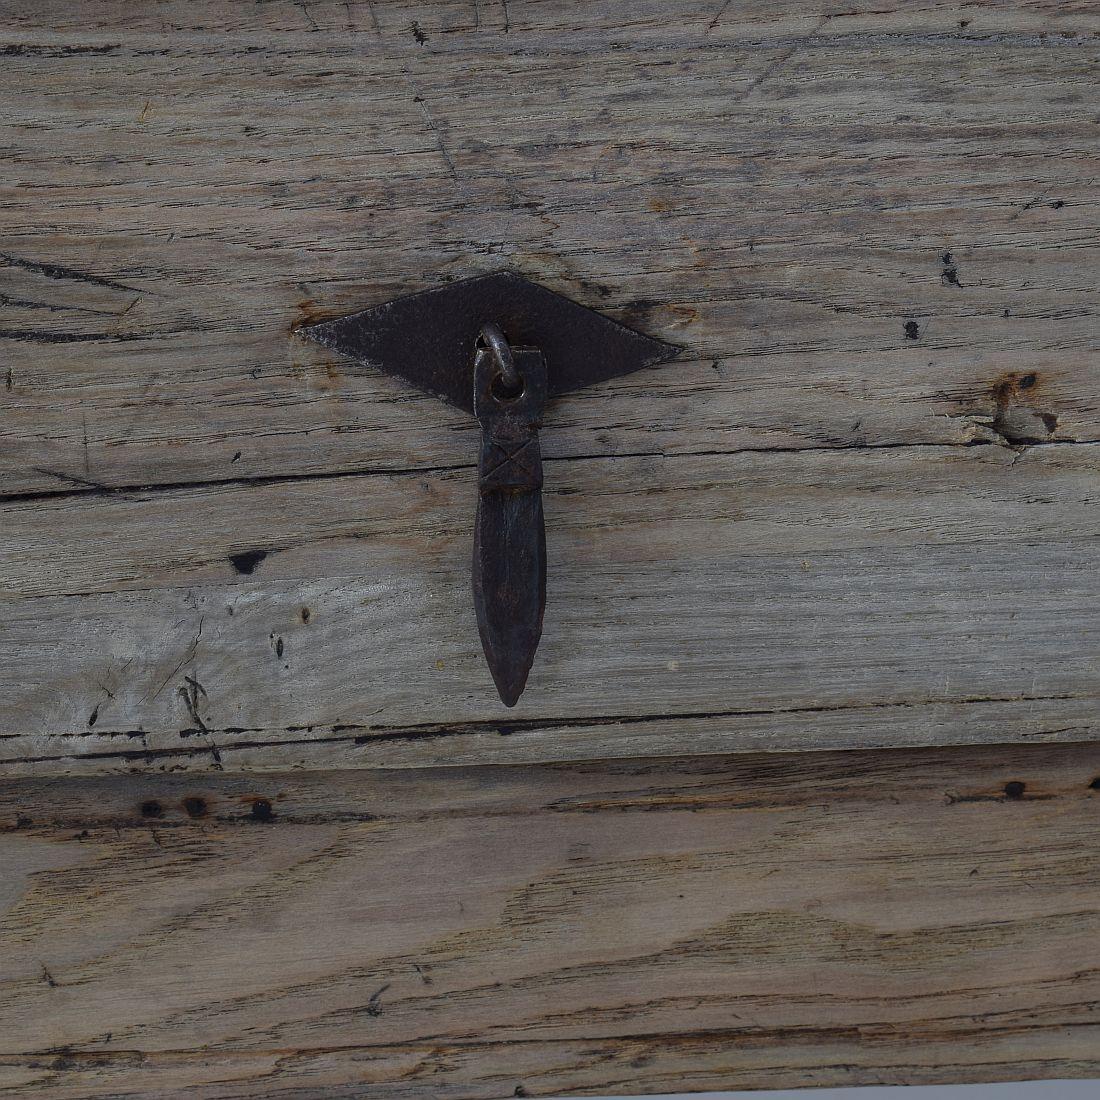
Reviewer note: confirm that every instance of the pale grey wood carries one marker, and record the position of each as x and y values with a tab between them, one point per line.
860	511
774	188
769	921
706	604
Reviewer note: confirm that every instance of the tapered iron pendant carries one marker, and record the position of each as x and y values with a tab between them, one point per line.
498	346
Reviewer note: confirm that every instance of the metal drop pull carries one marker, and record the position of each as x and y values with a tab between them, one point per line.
499	347
509	531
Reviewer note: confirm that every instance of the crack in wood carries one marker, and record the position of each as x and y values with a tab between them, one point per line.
97	489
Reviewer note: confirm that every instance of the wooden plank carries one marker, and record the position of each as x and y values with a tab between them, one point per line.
859	512
864	226
712	604
767	921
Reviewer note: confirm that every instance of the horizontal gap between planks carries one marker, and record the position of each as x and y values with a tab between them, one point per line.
90	489
365	735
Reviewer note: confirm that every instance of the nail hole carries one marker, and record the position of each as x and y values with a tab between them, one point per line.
152	808
247	560
195	806
1015	789
1095	784
262	811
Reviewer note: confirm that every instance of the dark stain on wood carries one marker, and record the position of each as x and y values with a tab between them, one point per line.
1016	418
261	810
195	806
246	560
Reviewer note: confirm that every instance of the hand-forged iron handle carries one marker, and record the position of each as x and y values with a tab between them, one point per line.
509	534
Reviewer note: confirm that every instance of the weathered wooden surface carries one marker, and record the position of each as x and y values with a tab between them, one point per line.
745	601
781	920
860	511
781	190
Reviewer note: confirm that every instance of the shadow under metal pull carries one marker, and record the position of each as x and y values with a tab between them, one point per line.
499	347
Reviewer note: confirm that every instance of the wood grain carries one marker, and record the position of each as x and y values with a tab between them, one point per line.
860	510
911	596
857	222
761	921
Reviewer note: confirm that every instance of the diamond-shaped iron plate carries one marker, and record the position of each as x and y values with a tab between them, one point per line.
427	338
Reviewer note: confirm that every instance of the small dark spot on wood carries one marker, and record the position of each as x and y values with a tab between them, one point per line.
278	645
964	23
261	810
195	806
1028	381
93	717
247	560
236	457
912	330
946	258
1094	785
9	382
1003	388
1015	789
520	1091
374	1004
48	978
638	311
305	613
595	288
418	34
1057	204
152	808
23	822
